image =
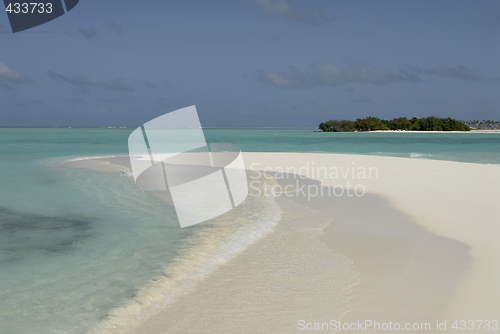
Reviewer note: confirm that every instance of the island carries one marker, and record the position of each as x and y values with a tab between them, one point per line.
370	123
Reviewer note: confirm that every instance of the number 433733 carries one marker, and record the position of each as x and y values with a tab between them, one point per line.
31	7
475	325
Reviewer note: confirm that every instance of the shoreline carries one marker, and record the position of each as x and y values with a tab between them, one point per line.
210	247
405	186
404	131
288	274
125	165
471	131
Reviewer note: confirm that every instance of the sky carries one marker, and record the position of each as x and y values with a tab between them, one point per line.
266	63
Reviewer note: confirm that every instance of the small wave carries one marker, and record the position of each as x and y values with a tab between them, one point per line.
95	157
418	155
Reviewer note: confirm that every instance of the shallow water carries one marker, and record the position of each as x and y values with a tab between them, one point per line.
64	266
463	147
77	246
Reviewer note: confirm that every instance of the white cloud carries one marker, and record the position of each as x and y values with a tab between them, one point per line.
329	74
309	14
10	75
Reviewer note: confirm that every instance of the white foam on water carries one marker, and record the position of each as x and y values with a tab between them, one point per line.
217	242
419	155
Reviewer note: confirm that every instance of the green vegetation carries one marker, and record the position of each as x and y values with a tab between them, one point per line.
338	126
431	123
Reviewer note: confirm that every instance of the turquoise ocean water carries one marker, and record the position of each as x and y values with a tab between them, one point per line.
76	244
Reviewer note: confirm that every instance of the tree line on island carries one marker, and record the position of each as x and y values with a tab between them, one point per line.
483	125
431	123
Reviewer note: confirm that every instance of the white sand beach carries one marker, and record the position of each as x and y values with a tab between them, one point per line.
411	241
448	199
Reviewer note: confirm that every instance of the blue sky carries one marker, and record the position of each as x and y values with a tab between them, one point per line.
252	62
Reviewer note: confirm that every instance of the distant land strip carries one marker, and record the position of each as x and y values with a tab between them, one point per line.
431	123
